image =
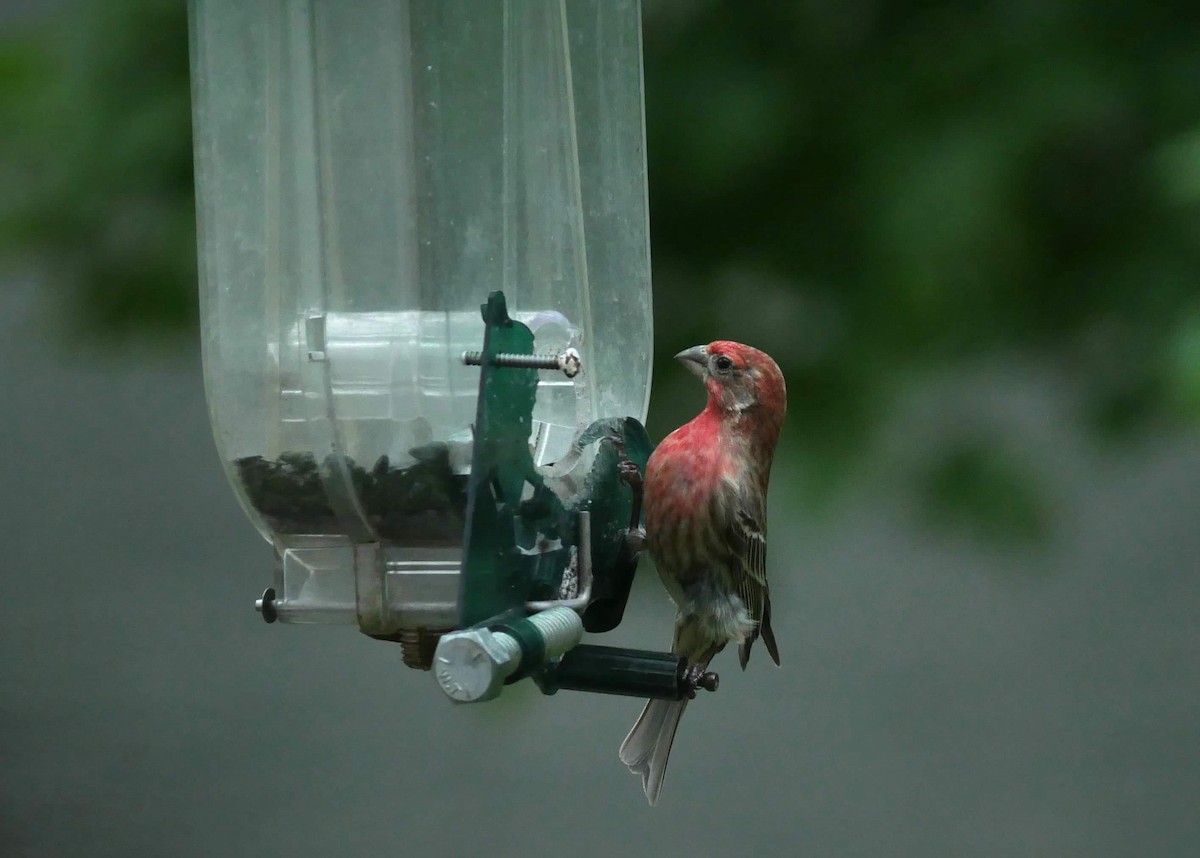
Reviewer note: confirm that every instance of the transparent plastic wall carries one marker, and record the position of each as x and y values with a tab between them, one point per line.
367	172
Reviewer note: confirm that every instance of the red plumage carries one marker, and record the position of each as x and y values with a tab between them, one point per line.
706	517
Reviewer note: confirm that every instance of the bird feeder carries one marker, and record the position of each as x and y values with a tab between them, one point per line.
426	319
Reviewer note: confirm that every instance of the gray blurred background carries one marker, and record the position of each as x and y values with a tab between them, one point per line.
970	236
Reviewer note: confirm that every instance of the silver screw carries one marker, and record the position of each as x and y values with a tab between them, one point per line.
471	665
569	362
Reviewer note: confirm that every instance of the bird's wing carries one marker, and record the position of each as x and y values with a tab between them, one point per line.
749	541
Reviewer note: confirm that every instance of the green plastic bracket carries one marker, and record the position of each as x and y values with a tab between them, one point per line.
533	646
492	582
520	532
611	505
522	527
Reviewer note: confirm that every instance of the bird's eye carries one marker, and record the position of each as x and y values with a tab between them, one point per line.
723	363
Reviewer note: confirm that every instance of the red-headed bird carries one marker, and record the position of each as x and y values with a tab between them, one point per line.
706	527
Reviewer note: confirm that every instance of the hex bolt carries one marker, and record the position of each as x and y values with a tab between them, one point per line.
472	664
569	362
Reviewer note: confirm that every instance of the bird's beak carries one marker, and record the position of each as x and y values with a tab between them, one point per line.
695	359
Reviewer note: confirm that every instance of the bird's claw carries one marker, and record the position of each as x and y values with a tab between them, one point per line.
635	540
630	474
698	677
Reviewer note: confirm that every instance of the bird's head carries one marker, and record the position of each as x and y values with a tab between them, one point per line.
740	380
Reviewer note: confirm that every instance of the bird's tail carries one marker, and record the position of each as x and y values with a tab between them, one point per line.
648	745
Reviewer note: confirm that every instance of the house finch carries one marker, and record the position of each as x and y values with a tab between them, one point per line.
706	527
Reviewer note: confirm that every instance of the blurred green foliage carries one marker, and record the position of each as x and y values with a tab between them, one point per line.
97	157
986	493
866	190
899	187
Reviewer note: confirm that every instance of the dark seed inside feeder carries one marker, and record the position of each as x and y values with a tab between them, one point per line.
421	504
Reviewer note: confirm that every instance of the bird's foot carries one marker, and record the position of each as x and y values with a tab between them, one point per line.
631	475
698	676
635	540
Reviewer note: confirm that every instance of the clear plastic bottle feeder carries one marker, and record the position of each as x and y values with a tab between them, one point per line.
367	173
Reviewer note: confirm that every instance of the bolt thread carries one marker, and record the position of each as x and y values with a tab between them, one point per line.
560	628
512	651
511	359
416	646
410	649
535	361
